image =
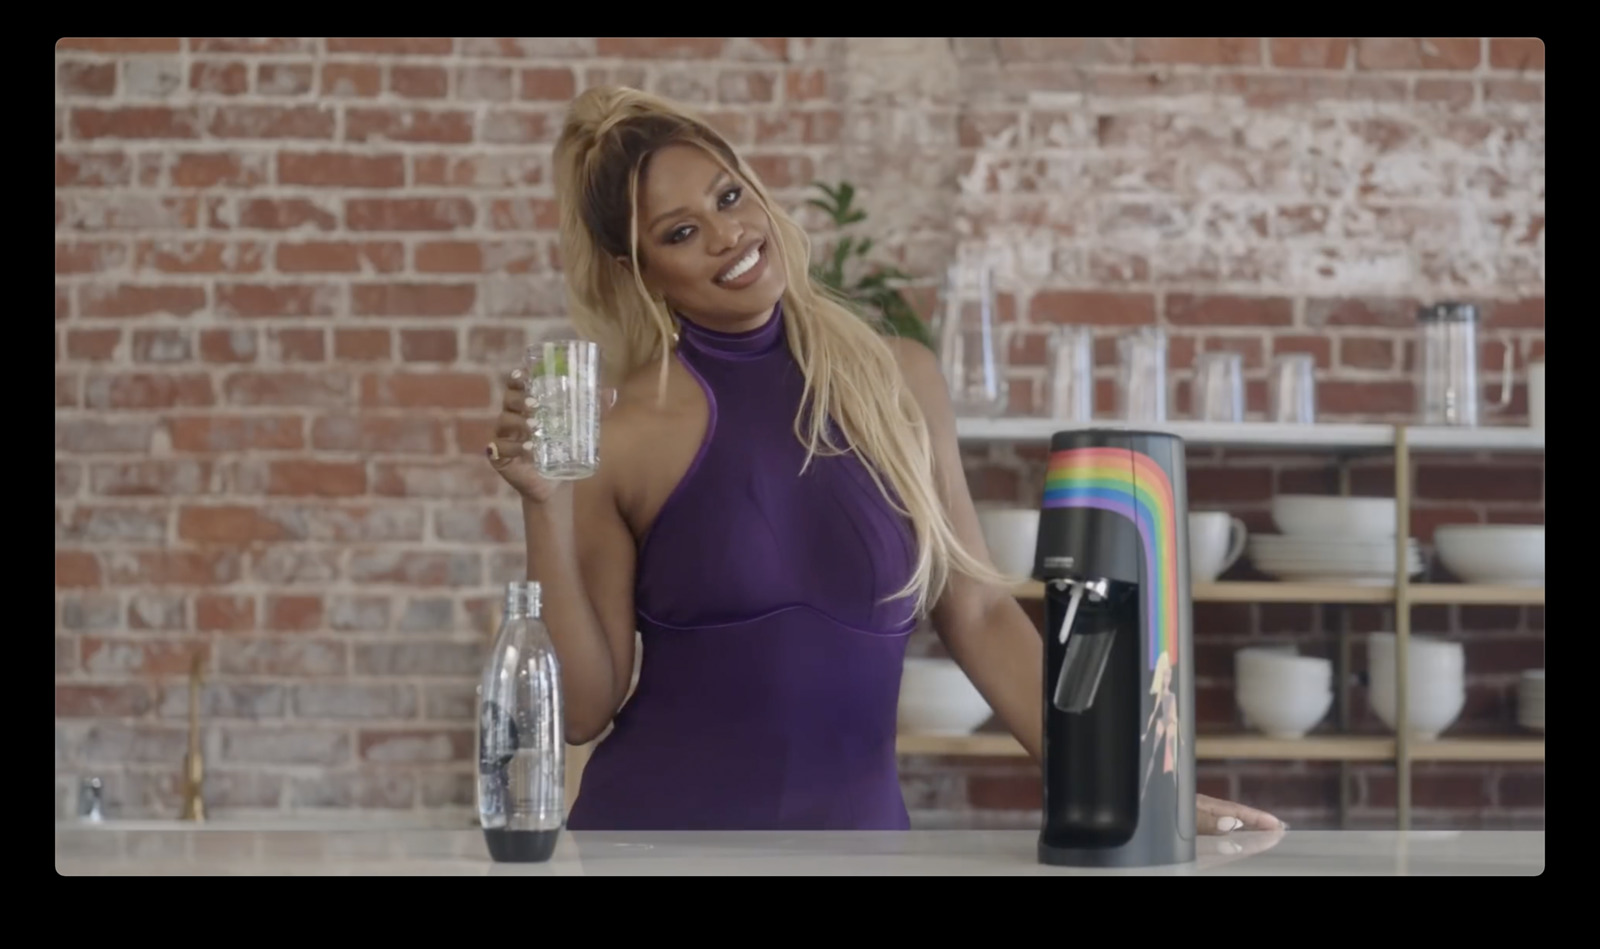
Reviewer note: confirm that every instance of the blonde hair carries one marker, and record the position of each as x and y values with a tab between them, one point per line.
850	372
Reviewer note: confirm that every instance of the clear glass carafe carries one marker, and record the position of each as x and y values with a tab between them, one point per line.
1449	391
969	342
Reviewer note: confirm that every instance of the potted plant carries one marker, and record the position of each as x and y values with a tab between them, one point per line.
873	291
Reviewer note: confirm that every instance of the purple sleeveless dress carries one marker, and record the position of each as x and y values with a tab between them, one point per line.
771	669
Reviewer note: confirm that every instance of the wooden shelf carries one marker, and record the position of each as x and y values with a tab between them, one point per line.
1269	592
1266	435
1262	748
1480	749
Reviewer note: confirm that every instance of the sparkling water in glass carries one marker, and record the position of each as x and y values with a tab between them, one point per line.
564	384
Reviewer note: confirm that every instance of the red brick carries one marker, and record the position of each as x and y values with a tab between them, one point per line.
1477	482
413	299
1286	792
361	345
408	125
126	300
392	45
76	568
102	701
1428	52
428	345
659	47
135	122
557	85
1521	788
361	80
1366	352
1400	313
297	345
271	122
1336	397
1523	314
1222	485
284	79
316	478
1186	310
132	390
277	300
222	613
1516	52
87	79
287	214
93	169
1104	309
282	656
1319	348
444	390
199	256
220	79
288	389
1199	50
93	345
141	657
341	170
232	525
151	477
1310	52
340	257
408	214
173	568
1018	792
293	613
228	346
465	478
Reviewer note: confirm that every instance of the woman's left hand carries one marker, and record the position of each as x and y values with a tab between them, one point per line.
1213	816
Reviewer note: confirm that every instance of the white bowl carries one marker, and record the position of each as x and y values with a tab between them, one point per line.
1012	536
1505	554
1334	516
1429	710
937	698
1263	667
1285	713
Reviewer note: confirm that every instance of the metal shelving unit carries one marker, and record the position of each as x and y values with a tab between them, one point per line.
1345	442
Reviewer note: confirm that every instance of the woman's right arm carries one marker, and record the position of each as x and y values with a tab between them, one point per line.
581	553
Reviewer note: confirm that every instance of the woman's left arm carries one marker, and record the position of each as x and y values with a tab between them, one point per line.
982	626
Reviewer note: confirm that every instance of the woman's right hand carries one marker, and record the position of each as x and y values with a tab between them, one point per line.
510	453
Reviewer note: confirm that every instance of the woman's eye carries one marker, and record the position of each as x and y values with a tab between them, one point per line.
730	196
680	235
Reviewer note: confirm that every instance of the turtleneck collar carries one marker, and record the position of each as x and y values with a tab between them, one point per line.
745	345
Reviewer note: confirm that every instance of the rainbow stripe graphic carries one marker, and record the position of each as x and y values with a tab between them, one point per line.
1130	484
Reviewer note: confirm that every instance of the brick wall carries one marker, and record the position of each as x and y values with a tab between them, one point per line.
288	271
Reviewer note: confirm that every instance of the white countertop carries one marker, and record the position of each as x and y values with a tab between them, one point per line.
362	850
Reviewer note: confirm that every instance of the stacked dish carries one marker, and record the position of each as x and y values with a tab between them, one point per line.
1530	700
1280	693
937	698
1332	540
1505	554
1436	683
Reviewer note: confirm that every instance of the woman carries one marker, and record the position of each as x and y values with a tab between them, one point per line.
781	498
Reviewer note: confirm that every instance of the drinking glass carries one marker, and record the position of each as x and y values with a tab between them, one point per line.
1292	389
1071	374
1142	382
564	384
1219	387
969	342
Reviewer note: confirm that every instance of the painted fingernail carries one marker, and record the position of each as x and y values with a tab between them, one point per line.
528	402
488	452
1229	824
516	373
532	423
527	446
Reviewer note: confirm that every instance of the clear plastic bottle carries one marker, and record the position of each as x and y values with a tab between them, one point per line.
521	741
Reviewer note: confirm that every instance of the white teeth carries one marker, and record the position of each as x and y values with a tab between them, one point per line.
744	264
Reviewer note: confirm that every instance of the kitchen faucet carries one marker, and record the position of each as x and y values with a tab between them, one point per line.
194	769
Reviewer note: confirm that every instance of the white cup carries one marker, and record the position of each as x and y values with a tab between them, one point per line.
1216	542
1536	395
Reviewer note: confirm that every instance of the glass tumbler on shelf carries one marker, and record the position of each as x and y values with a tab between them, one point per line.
969	342
1142	375
1219	387
564	384
1292	389
1070	374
